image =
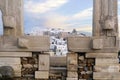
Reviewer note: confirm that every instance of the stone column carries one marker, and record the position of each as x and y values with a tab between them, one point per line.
105	26
105	21
12	14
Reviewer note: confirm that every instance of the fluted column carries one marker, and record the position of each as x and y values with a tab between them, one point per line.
105	21
12	14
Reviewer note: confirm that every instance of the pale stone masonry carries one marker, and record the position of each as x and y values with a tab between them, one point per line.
12	11
104	44
97	55
14	44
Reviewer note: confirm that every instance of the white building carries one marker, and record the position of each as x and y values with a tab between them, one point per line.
57	43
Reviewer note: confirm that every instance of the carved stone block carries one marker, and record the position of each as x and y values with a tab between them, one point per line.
72	61
44	62
106	61
106	76
58	61
72	78
15	63
9	22
101	55
16	68
9	60
72	74
15	54
97	43
41	75
23	43
109	23
79	44
109	68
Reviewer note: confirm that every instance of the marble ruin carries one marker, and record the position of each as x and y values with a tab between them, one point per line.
27	57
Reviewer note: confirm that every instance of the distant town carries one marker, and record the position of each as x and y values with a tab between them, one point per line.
58	41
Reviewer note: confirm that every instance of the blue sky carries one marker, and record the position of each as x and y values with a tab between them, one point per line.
65	14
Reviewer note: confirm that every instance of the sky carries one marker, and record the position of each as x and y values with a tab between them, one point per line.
64	14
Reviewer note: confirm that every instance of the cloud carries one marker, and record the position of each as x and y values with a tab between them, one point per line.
87	28
48	5
119	2
56	21
85	14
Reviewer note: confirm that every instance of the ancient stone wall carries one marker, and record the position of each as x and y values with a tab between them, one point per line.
90	57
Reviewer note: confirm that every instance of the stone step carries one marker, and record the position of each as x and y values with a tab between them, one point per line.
9	60
72	78
41	74
15	54
72	74
101	55
106	79
106	61
108	68
58	61
106	75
